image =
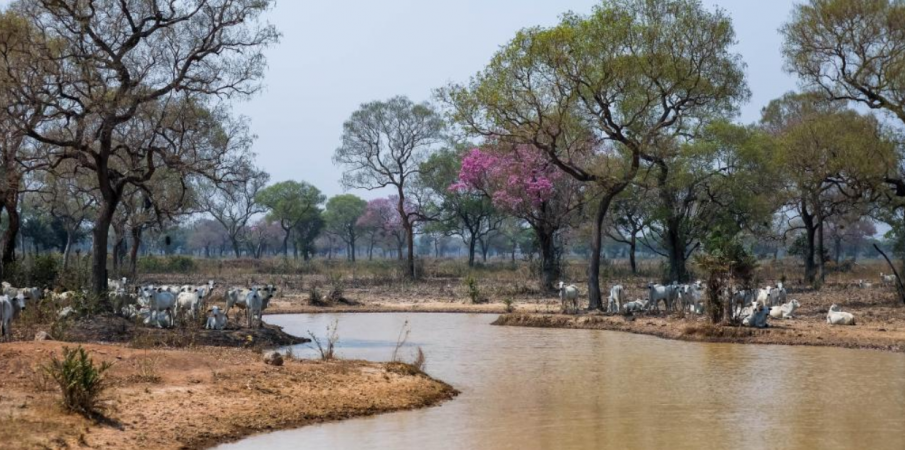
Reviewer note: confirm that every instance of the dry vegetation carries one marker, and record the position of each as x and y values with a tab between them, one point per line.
166	399
380	287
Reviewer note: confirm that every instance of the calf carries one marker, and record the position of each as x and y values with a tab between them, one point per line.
216	320
835	316
635	306
254	306
758	317
784	311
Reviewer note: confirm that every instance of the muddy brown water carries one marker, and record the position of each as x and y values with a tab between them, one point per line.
528	388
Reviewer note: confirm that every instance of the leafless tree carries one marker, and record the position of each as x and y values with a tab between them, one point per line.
384	144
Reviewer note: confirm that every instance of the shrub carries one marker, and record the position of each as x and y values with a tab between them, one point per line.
474	292
166	264
508	304
81	382
327	348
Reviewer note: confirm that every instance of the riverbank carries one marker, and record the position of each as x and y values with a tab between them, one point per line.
780	332
199	397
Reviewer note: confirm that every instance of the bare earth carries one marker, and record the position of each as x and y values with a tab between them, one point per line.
880	320
199	397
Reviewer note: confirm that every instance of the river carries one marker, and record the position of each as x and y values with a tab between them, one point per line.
528	388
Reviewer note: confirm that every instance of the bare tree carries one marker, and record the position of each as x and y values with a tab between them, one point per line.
384	144
125	76
234	204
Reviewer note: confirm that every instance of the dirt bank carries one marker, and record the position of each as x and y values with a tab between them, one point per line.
786	332
175	399
114	329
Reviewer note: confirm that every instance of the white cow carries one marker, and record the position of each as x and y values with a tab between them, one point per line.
617	298
864	285
115	285
835	316
763	296
236	297
6	316
158	302
658	292
635	306
778	295
886	280
784	311
758	317
690	296
189	302
216	320
568	295
267	294
254	306
121	299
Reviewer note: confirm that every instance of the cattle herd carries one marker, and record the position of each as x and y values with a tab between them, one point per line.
751	308
157	306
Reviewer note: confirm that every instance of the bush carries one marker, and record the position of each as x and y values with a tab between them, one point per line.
166	264
81	382
474	292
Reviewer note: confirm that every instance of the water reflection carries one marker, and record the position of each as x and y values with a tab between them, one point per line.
569	389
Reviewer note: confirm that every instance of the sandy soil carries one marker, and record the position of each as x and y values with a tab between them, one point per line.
880	320
169	399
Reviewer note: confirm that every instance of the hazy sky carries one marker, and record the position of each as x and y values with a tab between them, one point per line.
336	55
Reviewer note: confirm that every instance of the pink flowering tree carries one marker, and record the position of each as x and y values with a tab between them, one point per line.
381	222
522	182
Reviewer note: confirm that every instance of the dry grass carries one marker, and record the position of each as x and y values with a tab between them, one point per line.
203	397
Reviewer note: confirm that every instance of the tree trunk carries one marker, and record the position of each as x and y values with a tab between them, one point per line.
235	243
67	249
548	267
133	252
594	298
472	243
99	244
632	248
676	246
810	269
821	262
286	242
410	238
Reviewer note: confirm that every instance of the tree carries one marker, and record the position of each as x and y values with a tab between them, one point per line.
611	87
462	212
341	218
233	204
384	144
72	203
381	222
127	78
307	232
524	183
291	203
631	216
207	234
830	158
18	154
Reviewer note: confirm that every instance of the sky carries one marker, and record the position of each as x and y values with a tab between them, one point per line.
336	55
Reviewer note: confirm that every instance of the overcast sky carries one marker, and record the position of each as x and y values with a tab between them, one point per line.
337	54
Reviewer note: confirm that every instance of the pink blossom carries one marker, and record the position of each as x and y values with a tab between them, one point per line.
517	180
